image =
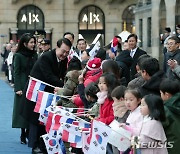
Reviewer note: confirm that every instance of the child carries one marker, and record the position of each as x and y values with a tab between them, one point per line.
107	82
170	93
152	136
120	111
135	119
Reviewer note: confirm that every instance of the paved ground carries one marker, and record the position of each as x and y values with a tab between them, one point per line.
9	137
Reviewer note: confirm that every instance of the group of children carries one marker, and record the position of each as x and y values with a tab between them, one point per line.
146	117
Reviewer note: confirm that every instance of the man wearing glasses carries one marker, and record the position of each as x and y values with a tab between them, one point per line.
50	68
173	53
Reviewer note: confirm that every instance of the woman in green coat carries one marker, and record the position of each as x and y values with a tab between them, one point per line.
170	93
23	61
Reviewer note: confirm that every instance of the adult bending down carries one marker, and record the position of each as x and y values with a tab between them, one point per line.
50	68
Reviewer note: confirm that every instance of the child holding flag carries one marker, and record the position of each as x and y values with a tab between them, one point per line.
107	82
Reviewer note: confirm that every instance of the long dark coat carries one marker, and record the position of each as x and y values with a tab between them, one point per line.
22	65
47	70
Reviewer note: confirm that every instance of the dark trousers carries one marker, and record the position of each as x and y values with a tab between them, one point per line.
35	133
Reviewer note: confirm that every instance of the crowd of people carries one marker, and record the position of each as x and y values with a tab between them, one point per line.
121	83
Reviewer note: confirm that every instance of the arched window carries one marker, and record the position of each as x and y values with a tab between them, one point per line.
129	17
30	17
91	18
92	23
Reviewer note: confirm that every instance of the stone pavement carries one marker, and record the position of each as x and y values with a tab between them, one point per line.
9	137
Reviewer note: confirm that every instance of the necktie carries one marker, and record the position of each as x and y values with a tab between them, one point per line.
131	53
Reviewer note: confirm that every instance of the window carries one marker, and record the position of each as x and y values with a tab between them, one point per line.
129	17
91	18
149	32
141	32
30	17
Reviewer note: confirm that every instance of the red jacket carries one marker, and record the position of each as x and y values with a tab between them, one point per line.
106	112
92	76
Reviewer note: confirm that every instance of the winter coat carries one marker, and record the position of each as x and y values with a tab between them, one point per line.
137	54
22	67
91	76
134	121
124	61
172	124
152	132
176	71
176	56
136	82
106	112
151	86
47	70
70	83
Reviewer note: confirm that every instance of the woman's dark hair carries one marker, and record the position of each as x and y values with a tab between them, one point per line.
155	106
65	41
25	38
170	86
111	66
118	92
91	90
111	82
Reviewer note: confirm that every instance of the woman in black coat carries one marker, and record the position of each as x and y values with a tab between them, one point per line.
23	61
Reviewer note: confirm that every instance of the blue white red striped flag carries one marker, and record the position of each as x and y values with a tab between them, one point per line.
44	100
33	87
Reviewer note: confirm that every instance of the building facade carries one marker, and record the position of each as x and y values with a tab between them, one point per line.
151	17
51	18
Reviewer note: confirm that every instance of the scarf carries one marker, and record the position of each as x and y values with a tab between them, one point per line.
101	97
30	54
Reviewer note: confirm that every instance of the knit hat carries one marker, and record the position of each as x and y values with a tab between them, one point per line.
167	29
94	64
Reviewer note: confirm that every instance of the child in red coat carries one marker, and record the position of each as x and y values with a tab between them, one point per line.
107	82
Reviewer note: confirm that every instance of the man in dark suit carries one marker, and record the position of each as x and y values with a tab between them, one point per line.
135	53
50	68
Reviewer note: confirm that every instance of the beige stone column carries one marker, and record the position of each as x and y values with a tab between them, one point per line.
48	33
13	32
170	14
155	28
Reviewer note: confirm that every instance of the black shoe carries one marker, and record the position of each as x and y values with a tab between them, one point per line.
36	151
23	140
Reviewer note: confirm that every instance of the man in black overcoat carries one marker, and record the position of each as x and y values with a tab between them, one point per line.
50	68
